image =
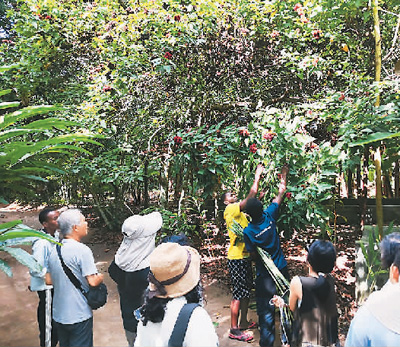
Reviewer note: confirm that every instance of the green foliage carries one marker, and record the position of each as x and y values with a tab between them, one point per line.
28	140
173	224
372	256
13	234
143	73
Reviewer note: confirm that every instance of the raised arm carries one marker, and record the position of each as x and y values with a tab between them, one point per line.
254	188
282	185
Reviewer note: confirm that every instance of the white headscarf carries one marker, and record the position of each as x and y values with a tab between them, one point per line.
139	241
384	305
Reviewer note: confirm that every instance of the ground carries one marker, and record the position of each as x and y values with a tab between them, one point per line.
18	325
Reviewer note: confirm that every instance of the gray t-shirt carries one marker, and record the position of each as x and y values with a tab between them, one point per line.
69	304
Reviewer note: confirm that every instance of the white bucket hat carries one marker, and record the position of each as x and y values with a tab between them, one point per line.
136	226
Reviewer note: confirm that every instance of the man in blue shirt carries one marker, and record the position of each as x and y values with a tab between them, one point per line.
261	232
72	314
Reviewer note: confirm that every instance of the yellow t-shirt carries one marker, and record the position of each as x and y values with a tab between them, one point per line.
232	212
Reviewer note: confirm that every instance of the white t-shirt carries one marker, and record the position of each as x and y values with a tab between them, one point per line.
200	331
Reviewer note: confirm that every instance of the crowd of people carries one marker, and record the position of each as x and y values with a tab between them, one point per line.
160	289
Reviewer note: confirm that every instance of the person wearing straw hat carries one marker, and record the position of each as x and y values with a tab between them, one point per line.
239	262
174	284
261	233
131	266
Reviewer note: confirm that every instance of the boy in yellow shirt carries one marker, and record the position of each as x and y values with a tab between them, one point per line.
239	263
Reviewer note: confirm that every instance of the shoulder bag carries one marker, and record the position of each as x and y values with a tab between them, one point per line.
96	296
181	324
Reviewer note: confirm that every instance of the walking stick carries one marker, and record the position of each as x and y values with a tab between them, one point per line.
47	341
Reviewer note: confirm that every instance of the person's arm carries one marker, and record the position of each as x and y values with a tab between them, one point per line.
89	269
254	188
48	280
39	253
95	280
282	185
296	293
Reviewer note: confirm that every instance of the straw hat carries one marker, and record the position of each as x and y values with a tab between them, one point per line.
174	270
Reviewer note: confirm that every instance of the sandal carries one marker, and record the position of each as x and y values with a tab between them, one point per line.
242	337
252	325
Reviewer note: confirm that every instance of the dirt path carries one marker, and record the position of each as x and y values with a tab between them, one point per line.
18	325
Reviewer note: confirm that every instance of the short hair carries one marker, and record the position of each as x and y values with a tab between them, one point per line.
44	213
180	239
389	246
68	219
254	208
396	260
322	256
223	196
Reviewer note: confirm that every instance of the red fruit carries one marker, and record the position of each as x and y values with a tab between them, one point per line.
47	17
269	136
253	148
168	55
304	19
288	195
177	18
275	33
341	97
297	6
178	140
300	12
107	88
316	34
244	132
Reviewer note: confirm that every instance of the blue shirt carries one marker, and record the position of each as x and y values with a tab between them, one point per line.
365	331
377	322
69	304
264	235
41	250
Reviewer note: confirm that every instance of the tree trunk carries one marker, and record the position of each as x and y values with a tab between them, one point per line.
387	186
377	157
358	181
362	200
349	184
378	182
396	174
146	183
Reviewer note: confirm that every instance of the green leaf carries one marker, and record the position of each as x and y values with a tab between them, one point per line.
9	67
24	258
8	225
5	92
5	267
27	112
379	136
4	105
